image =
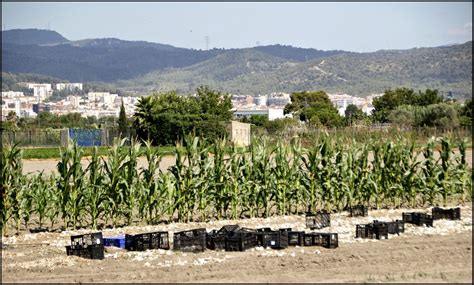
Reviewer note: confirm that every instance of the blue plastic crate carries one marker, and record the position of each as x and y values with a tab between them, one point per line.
115	241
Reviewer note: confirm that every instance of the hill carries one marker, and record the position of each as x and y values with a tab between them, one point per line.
111	59
32	37
139	66
443	68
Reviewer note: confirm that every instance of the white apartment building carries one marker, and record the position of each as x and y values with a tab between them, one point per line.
40	91
47	86
260	100
12	94
68	86
341	101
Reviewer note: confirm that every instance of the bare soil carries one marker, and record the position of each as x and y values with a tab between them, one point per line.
442	253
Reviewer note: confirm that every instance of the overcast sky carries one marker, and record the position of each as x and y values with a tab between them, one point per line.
346	26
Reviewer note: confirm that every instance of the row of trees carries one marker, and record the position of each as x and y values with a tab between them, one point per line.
406	108
164	118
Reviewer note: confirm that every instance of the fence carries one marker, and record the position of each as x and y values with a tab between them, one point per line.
58	137
39	138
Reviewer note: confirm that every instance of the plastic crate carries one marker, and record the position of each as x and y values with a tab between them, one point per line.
95	251
241	240
394	227
85	240
327	240
372	231
358	211
449	214
193	240
152	240
418	219
296	238
318	220
115	241
407	217
272	239
216	239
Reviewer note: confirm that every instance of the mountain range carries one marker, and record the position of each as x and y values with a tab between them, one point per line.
142	67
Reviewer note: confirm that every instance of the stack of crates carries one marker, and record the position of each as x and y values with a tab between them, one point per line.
372	231
358	211
192	240
241	240
449	214
89	246
145	241
318	220
394	227
273	239
327	240
216	239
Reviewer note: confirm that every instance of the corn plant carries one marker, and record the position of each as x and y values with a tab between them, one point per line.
12	178
71	184
41	190
94	194
114	176
149	195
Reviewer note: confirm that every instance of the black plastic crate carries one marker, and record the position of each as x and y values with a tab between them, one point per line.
272	239
327	240
394	227
296	238
241	240
318	220
449	214
85	240
407	217
358	211
372	231
153	240
193	240
418	219
95	251
216	239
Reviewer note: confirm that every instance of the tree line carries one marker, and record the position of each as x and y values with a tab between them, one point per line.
164	118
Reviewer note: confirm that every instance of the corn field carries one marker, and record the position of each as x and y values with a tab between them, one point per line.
219	181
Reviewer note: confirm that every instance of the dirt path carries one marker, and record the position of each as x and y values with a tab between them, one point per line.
439	254
49	165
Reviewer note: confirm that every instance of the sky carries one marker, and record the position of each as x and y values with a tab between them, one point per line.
360	27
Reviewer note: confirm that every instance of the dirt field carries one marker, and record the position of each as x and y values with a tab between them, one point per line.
49	165
439	254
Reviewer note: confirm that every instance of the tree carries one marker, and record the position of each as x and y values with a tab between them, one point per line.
441	115
353	115
465	114
122	121
313	107
166	117
402	96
